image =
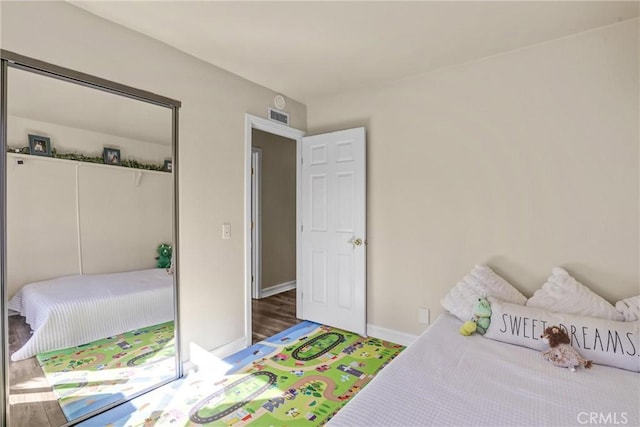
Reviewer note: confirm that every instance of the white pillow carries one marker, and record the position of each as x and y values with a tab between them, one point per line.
480	282
564	294
606	342
629	308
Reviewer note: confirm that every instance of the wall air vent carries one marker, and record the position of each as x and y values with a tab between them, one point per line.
278	116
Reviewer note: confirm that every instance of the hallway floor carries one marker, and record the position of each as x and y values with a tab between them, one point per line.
273	314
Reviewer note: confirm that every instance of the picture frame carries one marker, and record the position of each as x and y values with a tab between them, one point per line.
111	156
168	166
40	146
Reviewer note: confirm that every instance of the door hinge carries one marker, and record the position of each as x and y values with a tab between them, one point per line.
251	279
251	171
301	227
302	160
252	225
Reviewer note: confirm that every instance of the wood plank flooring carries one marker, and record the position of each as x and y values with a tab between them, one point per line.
273	314
32	400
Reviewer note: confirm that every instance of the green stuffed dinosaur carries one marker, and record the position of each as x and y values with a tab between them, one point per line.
164	256
481	318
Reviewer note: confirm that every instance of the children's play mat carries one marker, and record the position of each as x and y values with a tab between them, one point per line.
301	376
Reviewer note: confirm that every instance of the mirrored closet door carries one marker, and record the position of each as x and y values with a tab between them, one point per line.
89	237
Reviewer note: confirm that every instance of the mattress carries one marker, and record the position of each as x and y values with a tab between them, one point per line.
446	379
74	310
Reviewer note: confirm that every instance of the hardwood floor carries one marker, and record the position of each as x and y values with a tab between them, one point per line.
273	314
32	400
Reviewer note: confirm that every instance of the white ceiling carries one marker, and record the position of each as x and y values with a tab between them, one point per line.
51	100
309	49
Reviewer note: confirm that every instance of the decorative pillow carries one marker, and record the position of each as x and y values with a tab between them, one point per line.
564	294
480	282
629	308
606	342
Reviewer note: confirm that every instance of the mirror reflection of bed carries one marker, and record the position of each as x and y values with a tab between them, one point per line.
90	312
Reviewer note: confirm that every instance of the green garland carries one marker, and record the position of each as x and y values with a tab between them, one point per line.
127	163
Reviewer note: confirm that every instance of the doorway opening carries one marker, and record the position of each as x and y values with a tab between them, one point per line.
273	233
271	178
330	225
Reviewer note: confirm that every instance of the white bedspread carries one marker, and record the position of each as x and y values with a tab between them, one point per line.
445	379
74	310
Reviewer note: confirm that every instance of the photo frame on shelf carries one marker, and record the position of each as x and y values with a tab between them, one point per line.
40	145
168	166
111	156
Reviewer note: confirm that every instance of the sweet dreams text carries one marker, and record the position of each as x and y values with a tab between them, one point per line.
581	336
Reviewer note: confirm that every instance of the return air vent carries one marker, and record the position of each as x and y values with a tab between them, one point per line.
278	116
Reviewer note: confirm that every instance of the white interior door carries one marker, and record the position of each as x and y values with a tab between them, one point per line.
332	247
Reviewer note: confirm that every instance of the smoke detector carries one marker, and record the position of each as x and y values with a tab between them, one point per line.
279	102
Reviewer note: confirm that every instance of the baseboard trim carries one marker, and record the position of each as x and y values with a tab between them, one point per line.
211	361
390	335
273	290
230	348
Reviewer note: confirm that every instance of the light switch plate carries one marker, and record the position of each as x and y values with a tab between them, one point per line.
423	316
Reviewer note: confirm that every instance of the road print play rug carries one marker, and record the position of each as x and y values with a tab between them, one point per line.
299	377
92	375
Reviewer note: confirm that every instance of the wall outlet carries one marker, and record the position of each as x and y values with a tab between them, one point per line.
423	316
226	231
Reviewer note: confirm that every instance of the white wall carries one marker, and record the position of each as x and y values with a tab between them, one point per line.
525	161
125	213
211	152
42	220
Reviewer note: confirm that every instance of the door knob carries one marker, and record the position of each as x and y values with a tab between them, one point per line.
355	242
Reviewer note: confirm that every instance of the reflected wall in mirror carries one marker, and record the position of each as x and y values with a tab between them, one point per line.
91	311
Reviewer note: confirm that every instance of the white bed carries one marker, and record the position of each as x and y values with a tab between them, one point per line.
74	310
446	379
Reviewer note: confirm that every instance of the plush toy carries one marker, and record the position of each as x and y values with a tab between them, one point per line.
482	311
164	256
469	327
481	318
561	353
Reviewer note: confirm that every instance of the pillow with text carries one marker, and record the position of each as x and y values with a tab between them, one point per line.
606	342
